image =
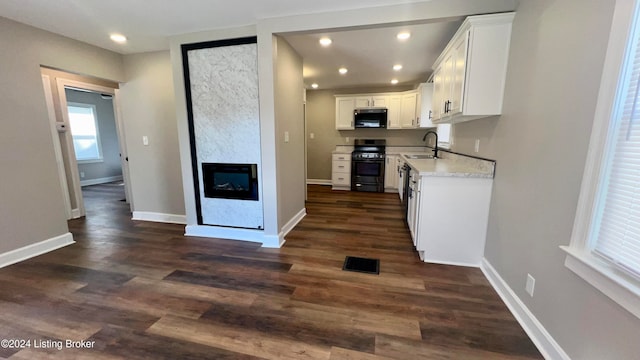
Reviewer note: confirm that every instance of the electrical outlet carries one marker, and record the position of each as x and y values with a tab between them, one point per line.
82	174
477	145
346	139
531	283
312	136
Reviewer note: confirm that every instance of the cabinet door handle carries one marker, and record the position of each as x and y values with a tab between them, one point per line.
429	114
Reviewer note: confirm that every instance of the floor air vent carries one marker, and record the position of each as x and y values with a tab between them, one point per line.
358	264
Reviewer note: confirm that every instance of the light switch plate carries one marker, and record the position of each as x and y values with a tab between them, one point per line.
286	136
531	283
145	140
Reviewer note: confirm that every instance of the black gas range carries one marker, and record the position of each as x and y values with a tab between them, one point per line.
367	165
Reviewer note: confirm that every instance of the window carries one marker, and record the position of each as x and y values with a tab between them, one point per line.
84	131
605	244
444	135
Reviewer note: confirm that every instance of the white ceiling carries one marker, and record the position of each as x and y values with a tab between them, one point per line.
148	23
369	54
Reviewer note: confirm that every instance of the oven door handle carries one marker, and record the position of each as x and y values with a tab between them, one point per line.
369	160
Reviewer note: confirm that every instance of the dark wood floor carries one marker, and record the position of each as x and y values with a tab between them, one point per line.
141	290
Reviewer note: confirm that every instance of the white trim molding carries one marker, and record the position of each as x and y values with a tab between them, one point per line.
227	233
98	181
580	258
159	217
545	343
290	225
33	250
76	213
606	278
238	234
318	182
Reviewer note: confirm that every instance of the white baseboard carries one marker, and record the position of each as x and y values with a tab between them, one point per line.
225	233
103	180
290	225
36	249
75	213
159	217
318	182
545	343
455	263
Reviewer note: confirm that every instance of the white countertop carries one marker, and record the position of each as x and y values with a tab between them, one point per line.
451	167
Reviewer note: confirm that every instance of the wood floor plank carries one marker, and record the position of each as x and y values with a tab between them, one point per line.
399	348
346	354
133	344
371	322
142	290
238	340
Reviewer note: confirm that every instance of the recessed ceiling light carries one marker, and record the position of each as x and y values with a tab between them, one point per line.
325	41
314	85
404	35
120	39
394	81
342	70
397	67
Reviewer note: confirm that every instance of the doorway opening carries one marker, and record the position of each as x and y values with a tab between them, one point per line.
89	142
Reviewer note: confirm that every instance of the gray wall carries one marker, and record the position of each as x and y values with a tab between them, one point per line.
540	144
321	114
289	116
32	207
148	108
110	165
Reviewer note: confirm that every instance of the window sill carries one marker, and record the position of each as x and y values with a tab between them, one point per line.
90	161
604	277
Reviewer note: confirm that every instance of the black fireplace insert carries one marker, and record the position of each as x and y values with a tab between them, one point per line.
230	181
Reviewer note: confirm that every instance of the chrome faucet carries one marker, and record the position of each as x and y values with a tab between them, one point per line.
435	149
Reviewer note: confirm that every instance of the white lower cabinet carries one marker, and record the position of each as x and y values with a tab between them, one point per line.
341	172
413	211
400	176
450	219
390	173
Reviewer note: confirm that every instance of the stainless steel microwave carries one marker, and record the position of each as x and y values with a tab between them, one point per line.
370	118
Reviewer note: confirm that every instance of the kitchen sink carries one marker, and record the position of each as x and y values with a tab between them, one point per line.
419	156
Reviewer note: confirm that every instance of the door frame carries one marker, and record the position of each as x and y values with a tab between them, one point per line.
62	84
57	148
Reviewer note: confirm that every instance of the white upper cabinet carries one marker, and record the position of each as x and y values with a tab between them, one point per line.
393	115
402	108
408	110
344	113
425	113
371	101
469	75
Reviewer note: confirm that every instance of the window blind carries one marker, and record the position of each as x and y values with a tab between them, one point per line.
617	227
